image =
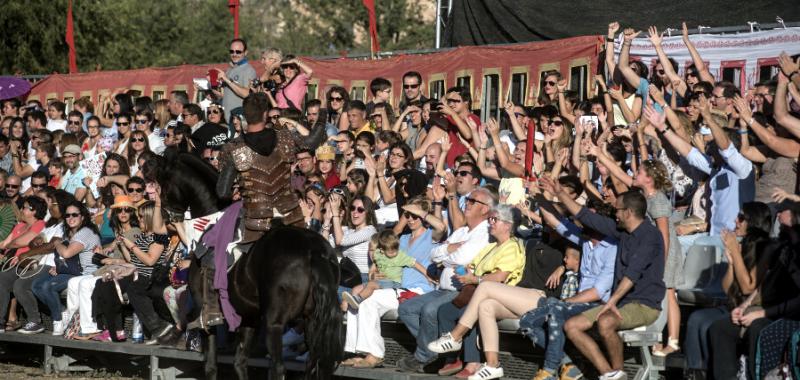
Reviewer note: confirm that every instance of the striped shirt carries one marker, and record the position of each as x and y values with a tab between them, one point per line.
144	242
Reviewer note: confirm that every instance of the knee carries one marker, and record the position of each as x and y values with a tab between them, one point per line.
575	325
607	325
486	308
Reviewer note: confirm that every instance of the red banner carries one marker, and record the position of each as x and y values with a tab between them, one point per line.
373	25
70	39
233	6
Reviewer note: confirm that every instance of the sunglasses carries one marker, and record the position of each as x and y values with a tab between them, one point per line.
409	215
12	186
69	215
359	209
142	121
472	201
126	210
557	123
137	139
660	72
550	83
136	189
274	117
691	74
215	112
74	122
410	86
212	158
38	185
123	123
463	173
338	99
235	51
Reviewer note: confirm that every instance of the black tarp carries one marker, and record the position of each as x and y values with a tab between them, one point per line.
480	22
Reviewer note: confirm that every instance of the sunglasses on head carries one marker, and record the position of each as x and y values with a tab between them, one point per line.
74	122
410	86
136	189
69	215
235	51
359	209
409	215
123	123
137	139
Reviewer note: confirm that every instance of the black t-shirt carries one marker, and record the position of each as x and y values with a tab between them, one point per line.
540	262
209	135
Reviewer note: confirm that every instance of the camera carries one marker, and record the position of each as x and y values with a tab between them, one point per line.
256	83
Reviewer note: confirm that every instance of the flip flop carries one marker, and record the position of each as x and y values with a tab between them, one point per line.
366	363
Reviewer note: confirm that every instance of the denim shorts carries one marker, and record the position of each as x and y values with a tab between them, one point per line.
388	284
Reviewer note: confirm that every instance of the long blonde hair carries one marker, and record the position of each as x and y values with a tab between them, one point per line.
162	113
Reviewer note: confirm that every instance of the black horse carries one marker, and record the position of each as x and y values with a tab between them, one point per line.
289	273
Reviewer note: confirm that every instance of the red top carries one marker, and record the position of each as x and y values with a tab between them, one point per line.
456	147
22	228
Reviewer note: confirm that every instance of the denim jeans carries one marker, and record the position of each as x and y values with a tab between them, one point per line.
421	316
551	313
697	344
48	290
448	318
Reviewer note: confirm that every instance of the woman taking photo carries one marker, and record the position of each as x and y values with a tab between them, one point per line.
144	252
294	87
74	253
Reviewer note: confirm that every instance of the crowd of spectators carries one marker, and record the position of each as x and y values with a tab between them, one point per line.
437	215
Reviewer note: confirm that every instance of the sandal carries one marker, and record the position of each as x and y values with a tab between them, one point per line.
671	347
350	362
369	362
13	325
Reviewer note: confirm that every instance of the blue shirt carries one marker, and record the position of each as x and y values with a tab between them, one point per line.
597	261
70	182
724	185
421	251
640	258
644	91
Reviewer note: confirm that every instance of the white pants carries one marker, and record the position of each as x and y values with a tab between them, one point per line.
364	327
79	298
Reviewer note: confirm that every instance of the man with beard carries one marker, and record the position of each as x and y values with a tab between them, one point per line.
72	179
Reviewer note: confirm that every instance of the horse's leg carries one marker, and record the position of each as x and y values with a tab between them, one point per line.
246	335
275	347
211	355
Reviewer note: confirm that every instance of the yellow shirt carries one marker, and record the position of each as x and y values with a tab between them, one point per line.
508	257
366	127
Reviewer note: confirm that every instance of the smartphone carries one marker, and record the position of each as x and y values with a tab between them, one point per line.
213	79
590	119
359	164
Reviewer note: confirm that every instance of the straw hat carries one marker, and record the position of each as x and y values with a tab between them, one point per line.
122	201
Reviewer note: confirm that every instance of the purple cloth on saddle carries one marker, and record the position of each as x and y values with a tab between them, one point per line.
218	238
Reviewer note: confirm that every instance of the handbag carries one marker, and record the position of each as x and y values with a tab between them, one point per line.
71	265
349	273
464	295
160	276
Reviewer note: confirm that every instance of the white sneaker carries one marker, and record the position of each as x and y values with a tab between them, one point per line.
487	372
58	327
291	337
614	375
66	316
444	344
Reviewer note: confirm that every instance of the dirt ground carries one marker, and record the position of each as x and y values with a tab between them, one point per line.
13	371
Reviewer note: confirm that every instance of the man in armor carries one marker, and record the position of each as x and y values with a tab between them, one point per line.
260	162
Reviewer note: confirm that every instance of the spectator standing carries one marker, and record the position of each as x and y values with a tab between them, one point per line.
237	79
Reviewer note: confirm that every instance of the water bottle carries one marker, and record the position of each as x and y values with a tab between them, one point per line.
460	270
136	334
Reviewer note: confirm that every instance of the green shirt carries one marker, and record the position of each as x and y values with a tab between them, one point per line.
392	267
7	220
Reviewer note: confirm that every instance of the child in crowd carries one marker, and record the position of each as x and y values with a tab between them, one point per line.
572	264
388	261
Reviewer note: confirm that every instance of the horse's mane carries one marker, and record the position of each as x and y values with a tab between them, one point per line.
186	180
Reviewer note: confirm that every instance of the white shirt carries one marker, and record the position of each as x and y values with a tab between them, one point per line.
474	240
56	125
156	143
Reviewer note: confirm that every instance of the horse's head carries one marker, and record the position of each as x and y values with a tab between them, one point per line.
187	183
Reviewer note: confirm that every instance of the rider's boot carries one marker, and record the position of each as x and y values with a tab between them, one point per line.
211	314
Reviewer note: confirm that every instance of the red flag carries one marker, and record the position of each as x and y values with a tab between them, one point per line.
233	6
70	39
373	25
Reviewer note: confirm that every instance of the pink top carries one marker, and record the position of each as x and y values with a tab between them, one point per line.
295	91
22	228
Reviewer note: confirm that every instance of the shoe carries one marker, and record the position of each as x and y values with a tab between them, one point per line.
31	328
543	374
170	339
465	373
104	336
211	313
154	339
410	364
671	347
614	375
351	300
292	337
451	369
444	344
570	371
13	326
58	328
487	372
302	358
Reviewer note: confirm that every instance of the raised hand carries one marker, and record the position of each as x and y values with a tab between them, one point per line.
684	31
704	105
655	118
654	37
562	85
743	108
656	94
493	127
509	108
630	34
787	65
613	28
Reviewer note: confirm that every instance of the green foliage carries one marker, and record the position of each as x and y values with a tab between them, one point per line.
124	34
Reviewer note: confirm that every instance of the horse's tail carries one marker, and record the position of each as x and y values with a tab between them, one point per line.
324	325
